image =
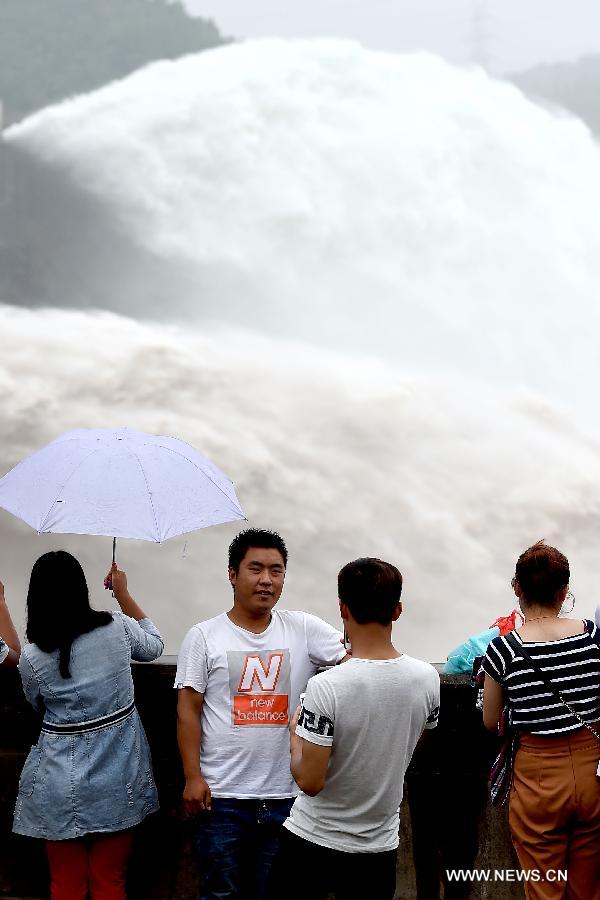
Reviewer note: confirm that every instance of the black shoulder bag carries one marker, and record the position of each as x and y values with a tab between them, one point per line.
501	775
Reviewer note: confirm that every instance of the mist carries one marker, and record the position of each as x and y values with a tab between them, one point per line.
363	284
389	205
346	457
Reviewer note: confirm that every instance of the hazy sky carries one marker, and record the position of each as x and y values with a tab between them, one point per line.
513	33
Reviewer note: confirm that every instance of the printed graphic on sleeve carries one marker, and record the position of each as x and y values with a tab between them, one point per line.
315	724
433	716
260	687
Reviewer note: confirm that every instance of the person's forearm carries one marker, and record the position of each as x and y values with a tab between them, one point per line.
130	607
309	776
296	758
188	739
7	629
424	737
493	703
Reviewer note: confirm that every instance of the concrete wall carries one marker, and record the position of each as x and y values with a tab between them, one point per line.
447	822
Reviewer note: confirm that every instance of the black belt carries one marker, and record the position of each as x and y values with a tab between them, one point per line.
91	725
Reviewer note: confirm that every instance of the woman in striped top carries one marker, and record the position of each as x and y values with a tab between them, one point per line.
554	813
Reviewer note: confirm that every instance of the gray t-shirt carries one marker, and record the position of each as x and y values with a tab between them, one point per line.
3	651
372	713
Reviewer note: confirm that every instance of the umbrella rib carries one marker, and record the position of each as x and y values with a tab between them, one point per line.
63	486
137	459
196	466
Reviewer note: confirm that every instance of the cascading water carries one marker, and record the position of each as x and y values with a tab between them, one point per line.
365	266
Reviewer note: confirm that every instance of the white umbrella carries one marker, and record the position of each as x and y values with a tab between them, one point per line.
119	483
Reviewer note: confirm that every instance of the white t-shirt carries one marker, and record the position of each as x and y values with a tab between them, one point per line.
252	685
3	651
372	713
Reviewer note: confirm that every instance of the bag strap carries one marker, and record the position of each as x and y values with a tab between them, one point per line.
520	650
590	628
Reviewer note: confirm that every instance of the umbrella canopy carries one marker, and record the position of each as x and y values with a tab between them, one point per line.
119	483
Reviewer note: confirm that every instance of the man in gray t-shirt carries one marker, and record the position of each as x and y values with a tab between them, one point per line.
351	743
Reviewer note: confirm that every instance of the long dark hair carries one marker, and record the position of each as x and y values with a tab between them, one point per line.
58	606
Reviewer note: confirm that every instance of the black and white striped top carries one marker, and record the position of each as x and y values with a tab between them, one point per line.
571	663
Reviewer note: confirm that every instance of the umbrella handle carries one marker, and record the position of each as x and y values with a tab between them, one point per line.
114	553
108	582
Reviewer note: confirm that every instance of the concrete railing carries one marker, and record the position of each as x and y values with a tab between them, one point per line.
447	822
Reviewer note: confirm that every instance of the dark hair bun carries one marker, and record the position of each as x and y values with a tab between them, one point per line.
541	572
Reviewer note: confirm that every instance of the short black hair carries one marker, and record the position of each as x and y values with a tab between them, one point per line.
371	590
255	537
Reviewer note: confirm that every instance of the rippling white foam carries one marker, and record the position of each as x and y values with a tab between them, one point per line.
366	200
365	204
346	457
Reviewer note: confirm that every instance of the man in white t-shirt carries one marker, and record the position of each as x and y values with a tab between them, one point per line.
351	743
239	677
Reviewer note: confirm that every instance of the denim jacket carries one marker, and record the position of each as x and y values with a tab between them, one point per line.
90	770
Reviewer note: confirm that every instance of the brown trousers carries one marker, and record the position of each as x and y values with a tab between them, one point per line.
554	814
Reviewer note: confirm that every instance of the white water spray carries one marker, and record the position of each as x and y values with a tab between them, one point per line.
382	202
355	200
346	459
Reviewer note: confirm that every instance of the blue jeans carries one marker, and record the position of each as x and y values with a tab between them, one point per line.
236	843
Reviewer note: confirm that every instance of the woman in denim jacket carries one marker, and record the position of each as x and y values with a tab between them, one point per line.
89	779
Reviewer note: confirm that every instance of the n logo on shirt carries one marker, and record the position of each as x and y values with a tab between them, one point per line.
260	687
254	670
